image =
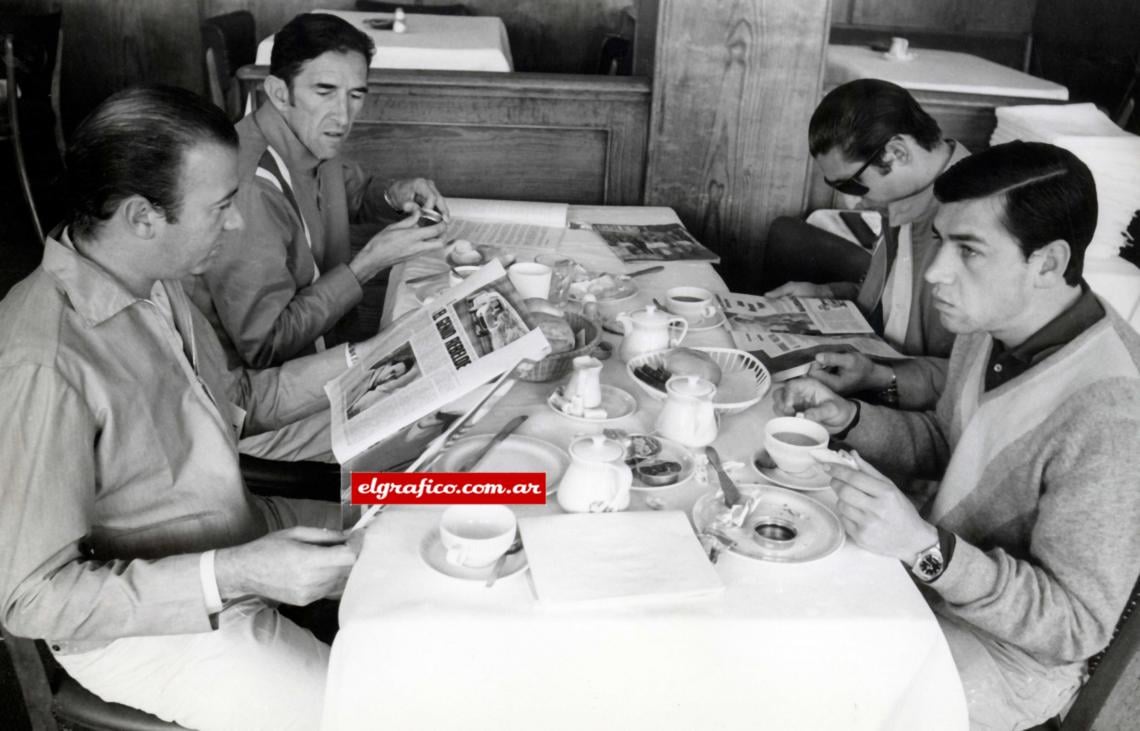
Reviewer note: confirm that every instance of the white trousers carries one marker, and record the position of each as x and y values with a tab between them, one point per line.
258	670
1005	689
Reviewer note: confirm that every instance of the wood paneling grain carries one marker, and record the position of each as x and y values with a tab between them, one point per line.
112	44
1013	16
734	88
540	137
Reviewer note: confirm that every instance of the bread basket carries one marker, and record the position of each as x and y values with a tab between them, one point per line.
556	365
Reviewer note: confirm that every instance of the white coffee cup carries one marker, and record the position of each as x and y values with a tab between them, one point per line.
790	442
692	303
476	535
531	279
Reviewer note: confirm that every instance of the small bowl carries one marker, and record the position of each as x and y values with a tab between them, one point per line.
458	274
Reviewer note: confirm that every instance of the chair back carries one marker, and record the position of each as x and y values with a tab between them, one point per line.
229	42
1111	697
37	44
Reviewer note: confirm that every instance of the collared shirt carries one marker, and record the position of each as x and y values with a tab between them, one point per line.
121	457
1005	364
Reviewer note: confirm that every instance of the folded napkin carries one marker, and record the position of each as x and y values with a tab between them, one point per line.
591	559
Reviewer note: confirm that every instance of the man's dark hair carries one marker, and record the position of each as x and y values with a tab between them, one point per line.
1047	192
310	35
134	143
861	116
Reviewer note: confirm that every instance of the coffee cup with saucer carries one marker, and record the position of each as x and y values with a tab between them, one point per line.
474	536
696	304
788	457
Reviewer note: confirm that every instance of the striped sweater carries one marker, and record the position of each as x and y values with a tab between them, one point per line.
1039	480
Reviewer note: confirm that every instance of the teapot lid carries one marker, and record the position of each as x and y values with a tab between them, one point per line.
691	386
650	315
597	448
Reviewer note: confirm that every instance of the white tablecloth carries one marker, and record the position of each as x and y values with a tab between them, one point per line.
933	70
846	642
433	42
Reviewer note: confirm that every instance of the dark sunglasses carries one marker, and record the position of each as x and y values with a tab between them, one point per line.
851	185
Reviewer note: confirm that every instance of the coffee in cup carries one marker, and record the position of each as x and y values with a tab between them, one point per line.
692	303
475	536
790	442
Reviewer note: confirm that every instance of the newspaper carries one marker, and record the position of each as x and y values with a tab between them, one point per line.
430	357
785	333
514	224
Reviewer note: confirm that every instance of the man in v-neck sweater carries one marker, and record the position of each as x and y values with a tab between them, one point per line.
283	283
1029	548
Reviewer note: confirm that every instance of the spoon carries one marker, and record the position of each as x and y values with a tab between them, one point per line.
515	548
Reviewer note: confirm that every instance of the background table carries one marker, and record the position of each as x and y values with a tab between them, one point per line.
959	90
845	642
434	42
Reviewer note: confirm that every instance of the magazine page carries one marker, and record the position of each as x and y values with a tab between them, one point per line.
512	224
433	355
785	333
799	315
656	242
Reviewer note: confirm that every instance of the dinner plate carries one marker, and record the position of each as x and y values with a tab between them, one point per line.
435	556
617	402
623	288
516	453
813	479
793	527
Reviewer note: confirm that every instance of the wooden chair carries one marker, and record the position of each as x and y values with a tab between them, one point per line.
51	697
31	55
1110	699
229	42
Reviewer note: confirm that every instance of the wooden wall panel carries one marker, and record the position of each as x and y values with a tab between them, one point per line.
540	137
467	161
734	88
112	44
1013	16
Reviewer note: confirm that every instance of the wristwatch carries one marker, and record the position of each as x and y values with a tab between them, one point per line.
930	563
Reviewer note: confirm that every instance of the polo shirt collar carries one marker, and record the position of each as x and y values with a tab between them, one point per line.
1085	312
280	135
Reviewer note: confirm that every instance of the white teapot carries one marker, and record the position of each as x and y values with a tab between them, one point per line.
688	416
598	479
650	330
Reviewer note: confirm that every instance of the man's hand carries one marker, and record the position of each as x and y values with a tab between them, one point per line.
295	566
801	289
415	193
877	515
847	373
402	240
816	401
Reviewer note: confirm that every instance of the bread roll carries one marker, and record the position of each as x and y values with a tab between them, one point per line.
557	331
537	305
689	362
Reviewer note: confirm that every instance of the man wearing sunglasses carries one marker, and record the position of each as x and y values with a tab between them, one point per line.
872	140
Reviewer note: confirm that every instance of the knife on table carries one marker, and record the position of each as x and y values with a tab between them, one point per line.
505	432
648	270
732	496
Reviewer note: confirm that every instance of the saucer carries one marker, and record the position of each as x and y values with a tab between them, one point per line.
617	403
435	556
813	479
706	323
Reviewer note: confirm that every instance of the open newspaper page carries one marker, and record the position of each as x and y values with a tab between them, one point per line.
785	333
470	334
510	224
653	242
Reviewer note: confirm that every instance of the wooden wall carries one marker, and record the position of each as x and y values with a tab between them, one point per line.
1010	16
734	86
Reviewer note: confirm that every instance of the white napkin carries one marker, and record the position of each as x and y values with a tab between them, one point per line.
616	558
